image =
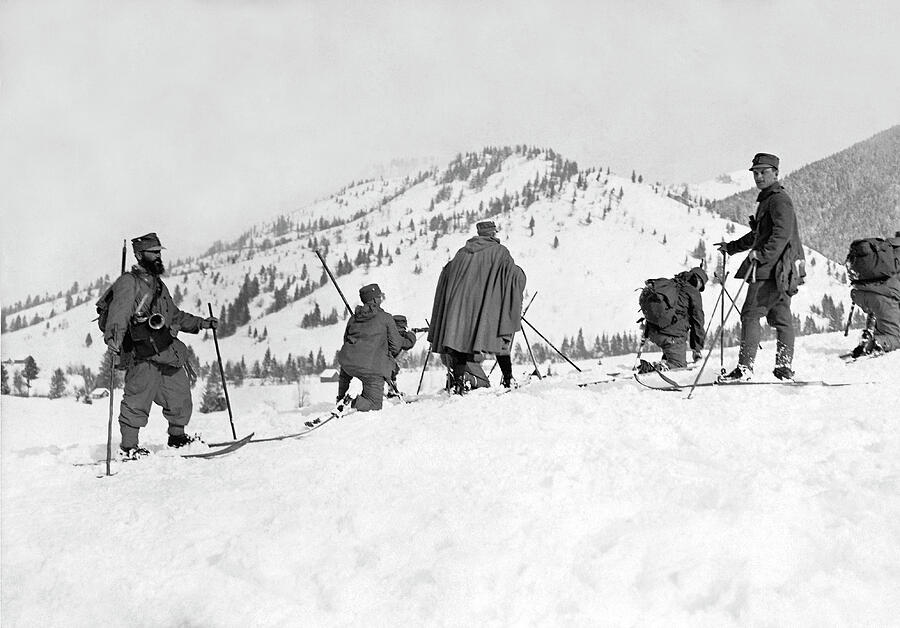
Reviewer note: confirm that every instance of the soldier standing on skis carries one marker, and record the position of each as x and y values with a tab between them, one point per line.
142	325
477	305
371	342
685	325
773	270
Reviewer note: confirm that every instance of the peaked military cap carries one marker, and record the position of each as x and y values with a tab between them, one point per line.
764	160
486	227
369	292
147	242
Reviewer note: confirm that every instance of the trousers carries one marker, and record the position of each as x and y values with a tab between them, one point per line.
765	298
147	383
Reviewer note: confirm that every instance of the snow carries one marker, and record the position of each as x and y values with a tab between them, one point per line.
550	505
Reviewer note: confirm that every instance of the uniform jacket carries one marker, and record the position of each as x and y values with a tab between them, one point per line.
135	289
371	341
478	301
689	314
407	339
776	239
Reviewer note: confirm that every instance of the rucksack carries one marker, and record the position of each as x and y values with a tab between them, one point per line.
871	259
658	300
103	308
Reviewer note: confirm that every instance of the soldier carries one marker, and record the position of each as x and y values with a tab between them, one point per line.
142	325
685	327
477	305
371	342
879	298
774	270
407	342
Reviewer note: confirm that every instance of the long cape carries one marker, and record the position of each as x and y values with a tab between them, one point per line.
478	300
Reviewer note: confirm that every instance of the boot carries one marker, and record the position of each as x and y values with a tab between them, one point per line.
132	453
180	440
784	372
741	373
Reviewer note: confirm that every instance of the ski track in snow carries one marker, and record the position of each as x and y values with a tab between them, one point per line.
550	505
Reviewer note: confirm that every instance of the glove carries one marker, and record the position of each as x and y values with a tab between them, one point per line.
209	323
111	344
722	246
697	354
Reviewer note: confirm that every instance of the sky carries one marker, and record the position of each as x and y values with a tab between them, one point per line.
197	119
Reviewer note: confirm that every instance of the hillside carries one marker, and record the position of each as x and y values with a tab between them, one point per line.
852	194
587	239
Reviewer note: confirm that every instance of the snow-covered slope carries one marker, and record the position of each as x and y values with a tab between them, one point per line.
552	505
595	238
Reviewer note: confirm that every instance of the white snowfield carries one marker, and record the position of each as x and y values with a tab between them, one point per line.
553	505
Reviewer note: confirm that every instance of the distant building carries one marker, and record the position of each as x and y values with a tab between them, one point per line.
329	375
99	393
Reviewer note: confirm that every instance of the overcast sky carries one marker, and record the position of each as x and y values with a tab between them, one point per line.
196	119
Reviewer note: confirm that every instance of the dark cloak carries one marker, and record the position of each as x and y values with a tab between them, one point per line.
478	300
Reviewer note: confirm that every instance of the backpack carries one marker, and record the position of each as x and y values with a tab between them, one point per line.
103	308
658	300
871	259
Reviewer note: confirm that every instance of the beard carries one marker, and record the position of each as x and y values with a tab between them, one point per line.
154	266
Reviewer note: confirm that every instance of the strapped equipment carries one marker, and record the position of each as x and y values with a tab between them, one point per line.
871	259
658	300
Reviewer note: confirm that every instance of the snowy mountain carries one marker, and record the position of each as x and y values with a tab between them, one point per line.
586	238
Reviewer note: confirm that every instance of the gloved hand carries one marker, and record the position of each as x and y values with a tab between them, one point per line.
697	355
209	323
111	344
722	246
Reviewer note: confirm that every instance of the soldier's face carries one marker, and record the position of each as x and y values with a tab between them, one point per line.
764	177
152	261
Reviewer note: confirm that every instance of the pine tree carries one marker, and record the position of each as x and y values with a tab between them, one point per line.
88	341
213	396
57	384
4	383
30	372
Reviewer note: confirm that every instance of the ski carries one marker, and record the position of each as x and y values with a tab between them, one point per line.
788	383
234	446
336	412
228	448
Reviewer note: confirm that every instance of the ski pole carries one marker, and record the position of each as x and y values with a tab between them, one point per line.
524	320
524	312
334	282
849	319
745	281
222	373
637	358
112	383
425	365
112	379
722	316
533	361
